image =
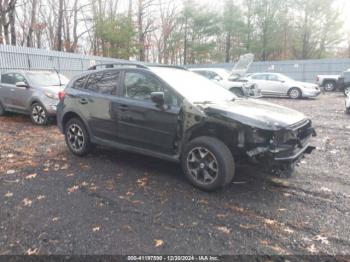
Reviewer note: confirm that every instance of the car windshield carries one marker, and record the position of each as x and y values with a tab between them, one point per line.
193	87
47	78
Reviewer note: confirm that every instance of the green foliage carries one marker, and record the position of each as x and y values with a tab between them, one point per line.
116	35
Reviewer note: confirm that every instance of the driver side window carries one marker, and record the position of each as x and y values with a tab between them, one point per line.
140	86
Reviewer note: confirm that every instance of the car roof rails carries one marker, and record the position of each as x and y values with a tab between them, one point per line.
111	65
135	64
167	66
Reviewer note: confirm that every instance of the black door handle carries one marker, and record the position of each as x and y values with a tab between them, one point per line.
83	101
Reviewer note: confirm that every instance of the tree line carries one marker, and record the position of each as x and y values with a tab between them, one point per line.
178	32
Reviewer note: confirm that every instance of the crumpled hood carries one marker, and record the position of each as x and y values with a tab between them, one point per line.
256	113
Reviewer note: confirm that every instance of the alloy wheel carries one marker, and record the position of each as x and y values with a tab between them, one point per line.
329	87
75	137
202	165
38	114
294	93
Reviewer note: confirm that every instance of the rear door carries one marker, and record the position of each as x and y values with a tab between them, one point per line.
141	122
94	97
262	82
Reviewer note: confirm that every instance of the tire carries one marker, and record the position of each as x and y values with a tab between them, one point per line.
237	91
77	137
38	114
329	86
347	91
208	163
2	110
294	93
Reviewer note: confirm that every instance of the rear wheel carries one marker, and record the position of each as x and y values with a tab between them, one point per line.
38	114
294	93
208	163
347	91
329	86
77	138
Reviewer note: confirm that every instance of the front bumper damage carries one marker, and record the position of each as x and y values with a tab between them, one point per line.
285	151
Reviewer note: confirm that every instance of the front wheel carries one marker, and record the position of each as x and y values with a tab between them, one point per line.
208	163
77	138
347	91
294	93
38	115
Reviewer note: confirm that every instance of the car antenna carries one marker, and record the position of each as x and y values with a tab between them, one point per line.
59	77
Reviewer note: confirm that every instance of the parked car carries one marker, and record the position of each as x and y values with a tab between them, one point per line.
328	82
177	115
224	79
347	104
33	93
275	84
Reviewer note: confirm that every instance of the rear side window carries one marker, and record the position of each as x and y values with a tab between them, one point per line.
103	82
8	79
80	83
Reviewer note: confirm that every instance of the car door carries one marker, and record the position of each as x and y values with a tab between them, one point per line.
94	96
262	82
141	122
21	95
7	83
277	87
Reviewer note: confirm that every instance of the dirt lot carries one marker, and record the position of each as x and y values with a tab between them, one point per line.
113	202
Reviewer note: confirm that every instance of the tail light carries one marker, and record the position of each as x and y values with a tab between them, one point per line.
61	95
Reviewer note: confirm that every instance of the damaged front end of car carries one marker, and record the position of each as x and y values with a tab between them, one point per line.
280	150
272	137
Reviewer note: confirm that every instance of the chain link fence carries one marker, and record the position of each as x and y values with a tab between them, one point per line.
301	70
70	64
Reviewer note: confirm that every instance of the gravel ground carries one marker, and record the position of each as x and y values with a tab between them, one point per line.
112	202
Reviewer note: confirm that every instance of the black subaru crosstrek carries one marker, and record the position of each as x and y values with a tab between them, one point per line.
174	114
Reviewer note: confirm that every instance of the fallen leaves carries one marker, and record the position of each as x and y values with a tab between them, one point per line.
312	249
41	197
96	228
9	194
142	182
72	189
322	239
27	202
224	229
158	243
30	177
10	172
55	219
32	252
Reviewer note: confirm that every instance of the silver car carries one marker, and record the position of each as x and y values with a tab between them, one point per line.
35	93
275	84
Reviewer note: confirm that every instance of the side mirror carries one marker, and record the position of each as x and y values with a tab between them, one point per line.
158	98
22	84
